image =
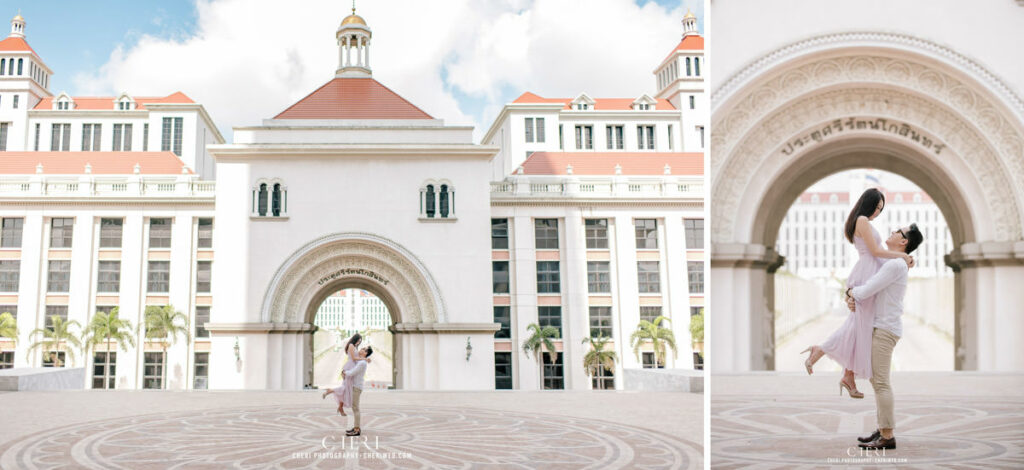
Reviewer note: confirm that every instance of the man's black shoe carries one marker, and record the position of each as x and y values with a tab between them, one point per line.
880	443
873	436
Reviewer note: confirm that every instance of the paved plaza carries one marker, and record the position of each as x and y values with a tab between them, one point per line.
955	420
408	430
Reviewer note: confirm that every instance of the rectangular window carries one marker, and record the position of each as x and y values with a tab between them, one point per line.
203	276
604	379
584	137
648	361
597	233
202	372
111	231
670	137
60	311
700	130
499	277
153	370
696	270
529	129
11	309
600	322
693	102
205	239
648	277
10	232
158	276
546	234
49	357
553	379
646	234
108	278
540	129
61	232
649	313
7	359
598	277
159	233
503	315
99	369
645	137
59	276
16	101
10	275
561	138
122	137
145	137
38	129
3	135
499	234
503	371
548	281
90	137
614	136
550	316
202	318
694	229
171	137
694	311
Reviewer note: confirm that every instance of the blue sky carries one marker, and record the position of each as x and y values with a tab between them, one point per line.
95	47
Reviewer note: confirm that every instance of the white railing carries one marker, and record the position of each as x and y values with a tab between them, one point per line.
104	186
586	187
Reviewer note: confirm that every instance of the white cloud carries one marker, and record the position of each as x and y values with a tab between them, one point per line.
250	59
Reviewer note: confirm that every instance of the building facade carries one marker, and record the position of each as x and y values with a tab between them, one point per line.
590	232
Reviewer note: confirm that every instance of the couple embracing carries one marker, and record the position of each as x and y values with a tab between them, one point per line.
348	394
876	286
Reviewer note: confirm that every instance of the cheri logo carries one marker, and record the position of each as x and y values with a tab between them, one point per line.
351	442
868	452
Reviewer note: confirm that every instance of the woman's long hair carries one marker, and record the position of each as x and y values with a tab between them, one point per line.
354	340
865	206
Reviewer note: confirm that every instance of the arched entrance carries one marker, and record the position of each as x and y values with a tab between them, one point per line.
867	100
362	261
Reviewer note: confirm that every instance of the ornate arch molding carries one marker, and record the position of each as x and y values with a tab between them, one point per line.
973	113
361	257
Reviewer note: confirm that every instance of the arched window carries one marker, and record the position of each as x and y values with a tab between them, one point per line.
444	201
696	66
262	200
3	66
19	65
430	201
275	207
10	67
687	66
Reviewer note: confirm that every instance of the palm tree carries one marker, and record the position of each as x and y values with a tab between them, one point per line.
57	337
8	326
597	357
657	335
162	325
541	338
105	327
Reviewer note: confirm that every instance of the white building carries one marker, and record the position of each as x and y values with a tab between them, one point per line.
589	238
102	206
352	311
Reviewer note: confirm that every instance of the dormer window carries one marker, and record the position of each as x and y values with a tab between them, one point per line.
124	103
582	103
63	103
644	103
582	106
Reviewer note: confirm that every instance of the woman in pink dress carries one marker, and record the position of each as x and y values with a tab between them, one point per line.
850	345
339	394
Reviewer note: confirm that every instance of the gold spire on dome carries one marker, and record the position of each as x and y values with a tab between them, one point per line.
353	18
689	14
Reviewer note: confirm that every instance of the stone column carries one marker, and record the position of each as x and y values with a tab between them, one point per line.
742	296
575	311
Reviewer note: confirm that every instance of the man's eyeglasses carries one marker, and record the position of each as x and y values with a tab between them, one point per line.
900	231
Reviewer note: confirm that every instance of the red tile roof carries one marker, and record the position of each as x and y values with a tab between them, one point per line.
103	163
603	163
83	103
689	43
600	104
353	98
16	44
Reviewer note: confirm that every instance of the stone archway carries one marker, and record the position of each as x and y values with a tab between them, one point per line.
864	99
363	261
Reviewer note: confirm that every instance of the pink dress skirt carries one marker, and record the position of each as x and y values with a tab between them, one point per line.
850	345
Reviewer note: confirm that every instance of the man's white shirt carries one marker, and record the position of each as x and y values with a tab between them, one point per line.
890	285
357	374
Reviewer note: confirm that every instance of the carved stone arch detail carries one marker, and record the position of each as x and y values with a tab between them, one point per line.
385	263
977	116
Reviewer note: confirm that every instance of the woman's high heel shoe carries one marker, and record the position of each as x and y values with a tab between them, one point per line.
852	393
809	364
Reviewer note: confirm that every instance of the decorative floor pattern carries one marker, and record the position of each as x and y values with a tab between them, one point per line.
795	433
291	436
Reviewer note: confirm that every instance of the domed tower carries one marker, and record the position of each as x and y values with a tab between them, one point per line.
690	24
18	26
353	47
